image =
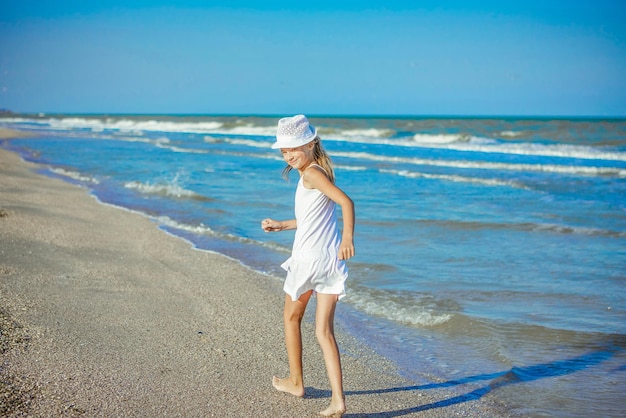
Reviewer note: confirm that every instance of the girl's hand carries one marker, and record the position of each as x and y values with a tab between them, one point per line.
346	250
270	225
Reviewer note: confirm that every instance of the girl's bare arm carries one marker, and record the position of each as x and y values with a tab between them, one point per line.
316	179
270	225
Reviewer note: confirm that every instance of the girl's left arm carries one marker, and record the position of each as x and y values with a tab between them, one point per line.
314	178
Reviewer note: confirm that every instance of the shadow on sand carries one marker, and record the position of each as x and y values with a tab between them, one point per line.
496	380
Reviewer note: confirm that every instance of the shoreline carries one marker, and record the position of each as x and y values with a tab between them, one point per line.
105	314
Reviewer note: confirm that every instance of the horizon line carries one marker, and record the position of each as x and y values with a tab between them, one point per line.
6	112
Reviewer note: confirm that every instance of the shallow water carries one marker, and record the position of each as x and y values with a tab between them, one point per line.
490	252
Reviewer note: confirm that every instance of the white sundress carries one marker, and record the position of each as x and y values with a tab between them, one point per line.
314	263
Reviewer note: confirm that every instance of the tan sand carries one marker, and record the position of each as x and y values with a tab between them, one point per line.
103	314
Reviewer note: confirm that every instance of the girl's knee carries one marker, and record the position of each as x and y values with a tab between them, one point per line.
293	316
324	334
294	309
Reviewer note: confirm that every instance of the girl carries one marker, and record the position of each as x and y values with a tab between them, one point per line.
317	262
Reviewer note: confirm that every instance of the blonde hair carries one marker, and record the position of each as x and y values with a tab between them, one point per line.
320	157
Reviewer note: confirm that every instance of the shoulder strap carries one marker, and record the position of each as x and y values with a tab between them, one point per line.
319	166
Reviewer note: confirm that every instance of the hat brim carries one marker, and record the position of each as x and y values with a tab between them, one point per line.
294	142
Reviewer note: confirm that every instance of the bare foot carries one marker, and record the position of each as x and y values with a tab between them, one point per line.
335	410
286	385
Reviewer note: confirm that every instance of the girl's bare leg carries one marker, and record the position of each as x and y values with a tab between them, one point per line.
292	317
325	333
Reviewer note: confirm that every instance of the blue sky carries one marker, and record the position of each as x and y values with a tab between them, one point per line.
527	58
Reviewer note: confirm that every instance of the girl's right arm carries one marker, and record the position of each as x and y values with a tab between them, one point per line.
270	225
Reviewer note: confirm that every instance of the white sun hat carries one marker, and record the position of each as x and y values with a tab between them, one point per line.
294	132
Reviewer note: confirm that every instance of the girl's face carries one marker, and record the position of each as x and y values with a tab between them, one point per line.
298	158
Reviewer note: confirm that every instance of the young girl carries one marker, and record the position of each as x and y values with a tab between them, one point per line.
317	262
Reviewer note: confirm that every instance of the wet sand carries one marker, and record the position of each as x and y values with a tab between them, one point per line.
104	314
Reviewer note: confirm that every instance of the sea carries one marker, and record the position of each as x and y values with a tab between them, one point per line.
490	251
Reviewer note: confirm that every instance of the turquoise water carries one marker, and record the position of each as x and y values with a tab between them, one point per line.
490	252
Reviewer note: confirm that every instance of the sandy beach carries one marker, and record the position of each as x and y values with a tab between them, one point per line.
104	314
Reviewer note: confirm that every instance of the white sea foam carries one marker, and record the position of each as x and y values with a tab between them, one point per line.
73	175
183	150
510	134
205	230
364	133
273	246
200	229
468	143
545	150
427	139
350	167
250	130
165	189
162	142
196	229
249	143
488	165
465	143
417	140
128	125
411	312
456	178
159	142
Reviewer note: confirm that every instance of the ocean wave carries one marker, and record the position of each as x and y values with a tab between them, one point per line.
135	126
159	142
249	143
466	143
196	229
350	167
405	307
385	137
525	227
511	134
202	229
437	139
363	133
164	189
73	175
592	171
174	148
544	150
488	165
452	141
566	229
250	130
457	179
272	246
